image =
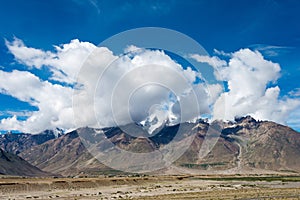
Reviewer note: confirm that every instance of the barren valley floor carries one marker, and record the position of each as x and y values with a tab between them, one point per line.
152	187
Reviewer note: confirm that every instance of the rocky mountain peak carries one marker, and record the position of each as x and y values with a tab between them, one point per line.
246	119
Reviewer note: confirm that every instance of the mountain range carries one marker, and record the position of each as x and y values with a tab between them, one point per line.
242	146
18	142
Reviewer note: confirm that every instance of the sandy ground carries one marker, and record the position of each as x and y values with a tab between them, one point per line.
149	187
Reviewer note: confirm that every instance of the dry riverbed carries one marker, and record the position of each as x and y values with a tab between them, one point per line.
152	187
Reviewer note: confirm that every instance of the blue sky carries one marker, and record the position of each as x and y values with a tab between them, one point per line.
270	26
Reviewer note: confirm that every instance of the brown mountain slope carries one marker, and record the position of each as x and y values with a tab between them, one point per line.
270	146
65	155
68	156
11	164
250	145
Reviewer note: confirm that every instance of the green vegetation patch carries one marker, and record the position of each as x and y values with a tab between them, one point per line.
254	178
202	165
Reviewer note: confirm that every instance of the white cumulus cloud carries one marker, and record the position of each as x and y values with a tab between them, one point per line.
140	84
94	87
248	76
64	62
213	61
52	100
105	90
295	92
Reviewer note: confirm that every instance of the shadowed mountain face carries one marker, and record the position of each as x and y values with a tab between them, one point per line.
243	146
11	164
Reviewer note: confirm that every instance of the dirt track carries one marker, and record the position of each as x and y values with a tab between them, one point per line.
152	187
